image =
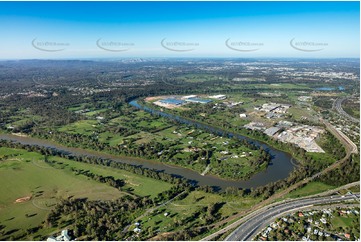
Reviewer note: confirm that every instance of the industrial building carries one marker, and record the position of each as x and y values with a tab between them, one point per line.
189	96
172	101
218	97
198	100
272	131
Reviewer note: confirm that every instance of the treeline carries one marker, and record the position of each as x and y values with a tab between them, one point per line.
152	173
332	145
111	181
347	172
47	111
110	220
107	220
98	220
324	102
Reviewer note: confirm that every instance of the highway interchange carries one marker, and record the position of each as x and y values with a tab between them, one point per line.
264	216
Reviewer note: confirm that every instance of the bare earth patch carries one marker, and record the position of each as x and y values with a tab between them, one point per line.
23	199
330	94
149	99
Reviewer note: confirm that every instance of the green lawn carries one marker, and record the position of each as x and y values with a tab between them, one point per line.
344	222
143	137
111	139
95	112
75	108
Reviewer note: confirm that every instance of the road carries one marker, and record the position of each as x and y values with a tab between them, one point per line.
264	216
349	144
338	106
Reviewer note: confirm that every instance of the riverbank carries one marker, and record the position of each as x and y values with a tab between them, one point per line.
277	170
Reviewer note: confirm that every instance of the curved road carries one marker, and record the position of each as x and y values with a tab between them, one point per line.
350	146
338	106
264	216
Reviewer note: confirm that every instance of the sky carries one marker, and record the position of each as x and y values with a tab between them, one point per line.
58	30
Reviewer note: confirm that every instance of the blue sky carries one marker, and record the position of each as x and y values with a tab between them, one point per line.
188	29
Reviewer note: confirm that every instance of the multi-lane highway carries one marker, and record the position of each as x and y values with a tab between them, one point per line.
350	146
264	216
338	106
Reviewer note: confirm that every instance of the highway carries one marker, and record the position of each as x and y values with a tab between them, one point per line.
264	216
338	106
348	143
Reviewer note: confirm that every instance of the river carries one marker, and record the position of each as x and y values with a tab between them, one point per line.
279	168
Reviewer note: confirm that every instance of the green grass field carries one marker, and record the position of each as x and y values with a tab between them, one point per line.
139	185
282	86
111	139
310	189
95	112
86	127
25	174
344	222
323	158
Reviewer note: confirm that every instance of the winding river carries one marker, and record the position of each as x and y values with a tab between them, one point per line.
279	168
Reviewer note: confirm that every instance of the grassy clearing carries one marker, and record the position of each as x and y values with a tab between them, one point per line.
310	189
111	139
354	189
86	127
282	86
299	113
95	112
323	158
187	209
343	222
